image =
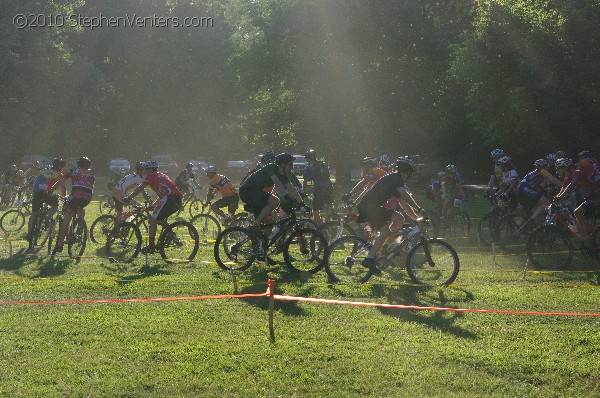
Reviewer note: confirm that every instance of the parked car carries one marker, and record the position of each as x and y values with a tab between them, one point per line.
28	160
166	163
119	165
200	163
300	164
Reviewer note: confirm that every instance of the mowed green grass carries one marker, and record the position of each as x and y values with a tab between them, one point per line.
223	348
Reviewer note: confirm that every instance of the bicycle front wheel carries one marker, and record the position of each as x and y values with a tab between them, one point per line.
344	260
77	238
179	242
101	227
549	249
196	206
208	228
123	243
305	250
235	248
432	262
333	230
12	221
106	204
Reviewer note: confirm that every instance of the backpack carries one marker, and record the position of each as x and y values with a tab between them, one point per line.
321	171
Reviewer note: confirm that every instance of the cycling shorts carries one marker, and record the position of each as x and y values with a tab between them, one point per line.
376	216
166	206
322	196
254	199
73	204
41	197
231	202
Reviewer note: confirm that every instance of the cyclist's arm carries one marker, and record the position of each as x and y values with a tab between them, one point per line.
293	192
406	196
137	190
210	194
552	180
60	184
359	185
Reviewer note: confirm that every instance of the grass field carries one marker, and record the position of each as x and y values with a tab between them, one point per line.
223	348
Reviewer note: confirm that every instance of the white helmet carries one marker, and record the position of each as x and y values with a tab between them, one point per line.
496	153
451	168
541	163
504	160
563	162
211	169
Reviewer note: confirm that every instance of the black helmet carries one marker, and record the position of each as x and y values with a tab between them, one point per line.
368	162
84	162
58	163
151	165
311	154
584	155
284	158
404	163
268	157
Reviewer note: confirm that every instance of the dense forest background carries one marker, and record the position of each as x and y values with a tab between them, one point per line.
449	80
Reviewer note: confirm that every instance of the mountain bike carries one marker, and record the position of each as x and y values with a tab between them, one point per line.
454	222
77	233
193	202
429	261
40	228
485	228
14	220
106	204
178	242
101	226
552	245
303	248
344	225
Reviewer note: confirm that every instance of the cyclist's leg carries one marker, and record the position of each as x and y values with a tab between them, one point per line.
272	204
584	224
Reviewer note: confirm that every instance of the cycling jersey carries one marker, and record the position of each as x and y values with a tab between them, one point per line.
372	208
534	180
509	176
317	172
585	187
591	168
222	185
451	182
129	181
161	184
373	176
261	178
184	177
46	180
82	182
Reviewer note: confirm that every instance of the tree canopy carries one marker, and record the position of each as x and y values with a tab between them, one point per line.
448	80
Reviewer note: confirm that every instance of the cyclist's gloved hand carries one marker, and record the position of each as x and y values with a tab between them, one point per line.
422	212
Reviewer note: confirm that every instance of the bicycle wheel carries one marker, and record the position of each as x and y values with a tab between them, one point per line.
106	204
332	230
101	228
124	242
511	234
208	228
179	242
40	231
12	221
196	206
432	262
235	248
485	228
462	225
305	250
52	231
549	249
77	238
344	257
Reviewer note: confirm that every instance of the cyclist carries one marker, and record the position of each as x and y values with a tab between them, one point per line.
169	200
496	174
510	178
588	193
372	208
451	187
262	203
32	173
533	188
589	166
265	159
370	174
318	172
186	178
11	181
551	159
125	184
82	186
433	192
229	196
42	193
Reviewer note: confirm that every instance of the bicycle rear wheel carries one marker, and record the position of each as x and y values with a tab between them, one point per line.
106	204
332	230
549	249
179	242
12	221
196	206
123	243
77	238
344	260
235	248
305	250
432	262
101	228
208	228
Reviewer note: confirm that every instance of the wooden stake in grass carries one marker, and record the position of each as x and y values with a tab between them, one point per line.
271	291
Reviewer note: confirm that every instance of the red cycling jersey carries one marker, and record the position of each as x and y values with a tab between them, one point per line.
162	184
82	181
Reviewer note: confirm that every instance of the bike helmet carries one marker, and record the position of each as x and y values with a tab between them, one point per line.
564	162
211	169
14	167
541	163
451	168
368	162
384	159
584	155
311	154
551	157
496	153
189	166
441	174
561	154
84	162
504	160
139	166
404	163
151	165
37	164
268	157
58	163
284	158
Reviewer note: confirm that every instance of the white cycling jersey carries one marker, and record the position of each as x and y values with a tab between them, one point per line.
129	181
